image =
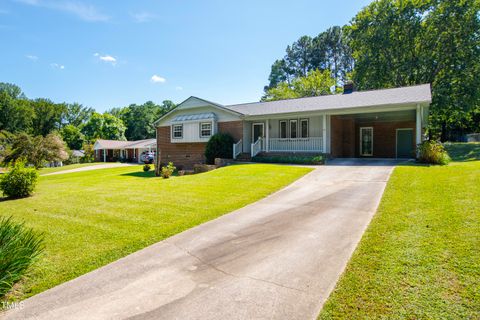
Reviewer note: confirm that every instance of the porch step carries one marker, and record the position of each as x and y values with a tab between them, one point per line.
244	157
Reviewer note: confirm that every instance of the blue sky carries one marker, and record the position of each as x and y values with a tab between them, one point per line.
107	54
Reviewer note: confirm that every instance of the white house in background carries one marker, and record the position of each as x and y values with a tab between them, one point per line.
130	151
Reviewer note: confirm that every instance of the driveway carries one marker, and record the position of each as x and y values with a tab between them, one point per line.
278	258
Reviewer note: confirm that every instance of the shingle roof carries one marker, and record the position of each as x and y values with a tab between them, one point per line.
357	99
141	143
115	144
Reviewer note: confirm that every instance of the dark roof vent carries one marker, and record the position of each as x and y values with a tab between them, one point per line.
348	87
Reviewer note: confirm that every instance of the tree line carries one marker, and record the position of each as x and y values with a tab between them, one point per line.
29	128
392	44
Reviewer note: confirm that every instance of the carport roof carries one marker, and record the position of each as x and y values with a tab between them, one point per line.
116	144
384	97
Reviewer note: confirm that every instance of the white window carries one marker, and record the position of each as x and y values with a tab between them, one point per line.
304	128
283	129
205	129
293	129
177	131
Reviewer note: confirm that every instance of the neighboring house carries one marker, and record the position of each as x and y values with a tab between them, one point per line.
130	151
384	123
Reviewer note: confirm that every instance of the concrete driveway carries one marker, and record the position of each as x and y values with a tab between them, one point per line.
278	258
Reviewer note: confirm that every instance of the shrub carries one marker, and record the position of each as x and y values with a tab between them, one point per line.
432	152
19	181
167	170
220	145
19	246
146	168
312	160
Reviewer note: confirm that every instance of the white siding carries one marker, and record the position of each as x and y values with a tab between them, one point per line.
191	132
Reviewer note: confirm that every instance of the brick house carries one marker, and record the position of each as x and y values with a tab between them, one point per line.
116	150
384	123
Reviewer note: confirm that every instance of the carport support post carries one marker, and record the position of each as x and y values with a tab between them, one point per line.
324	134
267	142
418	130
104	155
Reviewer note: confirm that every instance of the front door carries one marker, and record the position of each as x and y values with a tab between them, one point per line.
366	141
257	131
405	143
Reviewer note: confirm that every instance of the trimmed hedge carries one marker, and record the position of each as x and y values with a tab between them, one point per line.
312	160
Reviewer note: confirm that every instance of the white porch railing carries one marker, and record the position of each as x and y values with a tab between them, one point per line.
312	144
237	148
256	147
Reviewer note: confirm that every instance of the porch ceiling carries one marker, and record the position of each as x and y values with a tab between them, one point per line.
404	115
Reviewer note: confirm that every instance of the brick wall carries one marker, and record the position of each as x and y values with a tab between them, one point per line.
187	154
346	137
234	128
384	137
343	137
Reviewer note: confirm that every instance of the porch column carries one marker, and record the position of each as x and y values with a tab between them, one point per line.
324	134
104	155
418	131
267	134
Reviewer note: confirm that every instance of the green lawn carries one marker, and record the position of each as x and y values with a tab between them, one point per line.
94	217
464	151
420	256
68	167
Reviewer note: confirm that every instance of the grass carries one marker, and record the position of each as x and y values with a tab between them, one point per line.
68	167
420	256
463	151
92	218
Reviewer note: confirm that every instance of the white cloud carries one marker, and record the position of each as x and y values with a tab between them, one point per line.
31	57
157	79
144	16
106	58
178	88
83	11
57	66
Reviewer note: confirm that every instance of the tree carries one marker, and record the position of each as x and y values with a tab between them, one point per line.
12	90
72	136
15	114
299	55
327	51
47	116
316	83
93	128
399	43
76	114
139	119
113	128
104	126
37	150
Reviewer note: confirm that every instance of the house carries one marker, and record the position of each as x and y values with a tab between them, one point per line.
129	151
384	123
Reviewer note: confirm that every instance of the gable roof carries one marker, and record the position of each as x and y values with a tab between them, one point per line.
357	99
190	102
